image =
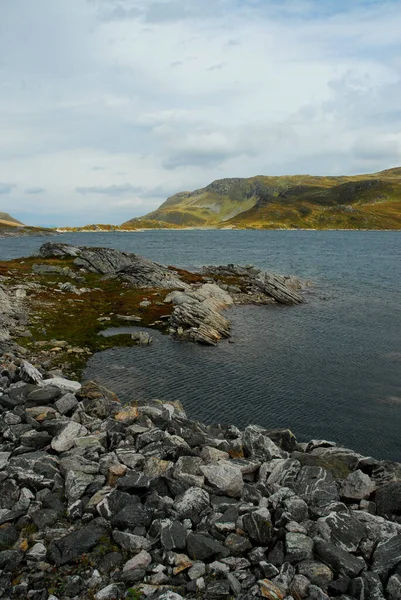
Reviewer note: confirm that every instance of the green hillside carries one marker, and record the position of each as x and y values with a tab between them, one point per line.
370	201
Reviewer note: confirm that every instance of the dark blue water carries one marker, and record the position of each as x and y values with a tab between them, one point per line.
330	368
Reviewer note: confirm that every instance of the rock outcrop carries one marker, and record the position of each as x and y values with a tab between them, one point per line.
103	501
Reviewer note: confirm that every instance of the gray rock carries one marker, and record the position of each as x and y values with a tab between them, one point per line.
141	338
317	487
258	445
315	593
66	403
296	508
110	592
227	522
316	572
225	477
338	559
258	525
387	555
237	544
299	586
130	542
343	529
65	439
393	588
73	545
174	536
284	473
357	486
191	503
298	547
140	561
130	517
201	547
4	456
37	552
388	500
218	589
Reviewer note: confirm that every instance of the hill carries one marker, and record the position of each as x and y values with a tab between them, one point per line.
371	201
7	219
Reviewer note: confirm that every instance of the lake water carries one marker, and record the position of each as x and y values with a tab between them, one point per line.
328	369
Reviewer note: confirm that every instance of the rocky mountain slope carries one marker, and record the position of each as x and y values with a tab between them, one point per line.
7	219
10	227
300	201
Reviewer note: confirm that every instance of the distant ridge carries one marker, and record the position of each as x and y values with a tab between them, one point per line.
371	201
7	219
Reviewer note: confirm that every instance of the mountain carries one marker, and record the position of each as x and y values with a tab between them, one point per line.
371	201
7	219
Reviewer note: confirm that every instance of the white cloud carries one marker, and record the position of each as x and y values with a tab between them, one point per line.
108	106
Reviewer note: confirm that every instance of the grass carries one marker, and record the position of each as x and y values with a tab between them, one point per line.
290	202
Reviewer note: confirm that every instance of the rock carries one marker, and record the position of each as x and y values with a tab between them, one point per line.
201	547
237	544
218	589
174	536
388	500
140	561
66	404
130	517
298	547
110	592
317	487
387	555
258	445
343	529
72	546
98	401
141	338
357	486
338	559
275	286
316	572
258	526
37	552
315	593
269	590
64	384
65	439
393	588
225	477
191	504
130	542
299	587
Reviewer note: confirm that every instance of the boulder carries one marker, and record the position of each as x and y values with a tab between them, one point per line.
225	477
338	559
357	486
72	546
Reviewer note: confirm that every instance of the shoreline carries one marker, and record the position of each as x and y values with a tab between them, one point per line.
104	501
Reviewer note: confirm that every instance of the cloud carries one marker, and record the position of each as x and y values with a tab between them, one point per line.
35	190
6	188
111	190
172	94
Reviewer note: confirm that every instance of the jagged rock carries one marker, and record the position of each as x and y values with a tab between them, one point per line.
298	547
393	588
142	338
317	487
191	503
225	477
343	529
97	400
73	545
357	486
173	536
258	445
276	286
201	547
269	590
388	500
140	561
66	438
258	526
316	572
338	559
387	555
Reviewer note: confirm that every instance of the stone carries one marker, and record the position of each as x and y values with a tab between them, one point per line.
191	503
173	536
4	456
258	445
315	593
357	486
37	553
66	404
316	572
131	516
258	526
225	477
227	522
269	590
237	544
299	587
110	592
298	547
213	455
131	542
296	508
393	588
338	559
343	529
72	546
204	548
388	500
387	555
142	338
140	561
65	439
317	487
76	483
64	384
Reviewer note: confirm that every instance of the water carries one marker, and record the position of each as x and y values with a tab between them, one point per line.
330	368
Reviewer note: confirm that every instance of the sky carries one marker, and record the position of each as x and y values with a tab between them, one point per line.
107	107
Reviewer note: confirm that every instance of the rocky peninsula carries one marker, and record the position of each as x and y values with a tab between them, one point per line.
103	501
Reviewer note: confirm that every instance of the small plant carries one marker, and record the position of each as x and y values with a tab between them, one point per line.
134	594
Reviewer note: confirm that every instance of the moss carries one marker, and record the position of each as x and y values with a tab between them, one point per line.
78	319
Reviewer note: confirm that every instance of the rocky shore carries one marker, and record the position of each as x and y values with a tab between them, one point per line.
103	501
